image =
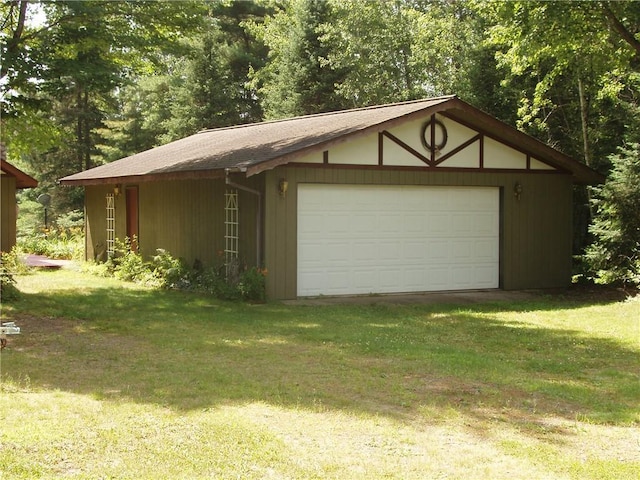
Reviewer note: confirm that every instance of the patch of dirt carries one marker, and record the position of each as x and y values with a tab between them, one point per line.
599	293
37	325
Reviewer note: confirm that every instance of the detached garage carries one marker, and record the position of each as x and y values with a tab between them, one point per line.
418	196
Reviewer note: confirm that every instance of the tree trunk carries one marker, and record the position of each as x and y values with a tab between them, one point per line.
584	117
79	129
87	131
12	44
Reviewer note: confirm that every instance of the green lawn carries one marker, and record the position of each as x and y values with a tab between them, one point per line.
110	380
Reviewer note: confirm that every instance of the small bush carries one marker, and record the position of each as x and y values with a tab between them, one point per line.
170	272
252	285
12	261
8	289
128	265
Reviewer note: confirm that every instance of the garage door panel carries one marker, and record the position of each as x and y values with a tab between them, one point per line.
414	278
486	276
385	239
365	280
461	224
484	250
437	224
337	281
312	253
336	223
483	224
311	280
365	253
389	222
461	250
437	279
438	251
390	278
414	223
337	254
360	223
414	251
388	253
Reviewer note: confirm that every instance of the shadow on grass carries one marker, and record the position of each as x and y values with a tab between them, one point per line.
191	352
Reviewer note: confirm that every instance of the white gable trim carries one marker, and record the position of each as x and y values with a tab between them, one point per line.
408	145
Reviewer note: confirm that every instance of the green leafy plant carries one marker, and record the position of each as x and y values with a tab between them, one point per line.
61	243
252	284
614	256
170	272
128	265
8	265
13	262
166	271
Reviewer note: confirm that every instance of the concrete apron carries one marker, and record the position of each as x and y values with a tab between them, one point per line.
450	297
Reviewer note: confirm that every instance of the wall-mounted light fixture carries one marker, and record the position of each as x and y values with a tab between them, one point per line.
117	190
517	190
283	186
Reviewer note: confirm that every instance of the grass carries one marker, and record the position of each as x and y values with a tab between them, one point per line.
110	380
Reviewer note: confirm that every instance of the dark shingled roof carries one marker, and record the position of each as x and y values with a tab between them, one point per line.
22	179
261	146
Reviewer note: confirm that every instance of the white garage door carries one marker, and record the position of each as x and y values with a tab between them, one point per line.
360	239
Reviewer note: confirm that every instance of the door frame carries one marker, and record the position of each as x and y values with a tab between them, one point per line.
132	216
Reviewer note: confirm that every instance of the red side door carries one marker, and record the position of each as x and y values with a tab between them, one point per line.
132	216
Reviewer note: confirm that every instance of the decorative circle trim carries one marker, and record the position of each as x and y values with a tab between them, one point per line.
426	143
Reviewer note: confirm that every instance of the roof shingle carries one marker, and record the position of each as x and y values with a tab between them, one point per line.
256	147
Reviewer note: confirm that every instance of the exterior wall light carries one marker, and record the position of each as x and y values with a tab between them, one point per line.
116	190
517	190
283	186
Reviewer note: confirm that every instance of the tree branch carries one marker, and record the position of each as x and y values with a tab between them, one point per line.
618	27
12	44
21	18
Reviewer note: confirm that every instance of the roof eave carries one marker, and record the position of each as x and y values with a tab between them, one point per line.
23	180
142	178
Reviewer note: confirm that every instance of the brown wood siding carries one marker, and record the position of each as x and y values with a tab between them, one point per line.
8	212
536	229
184	217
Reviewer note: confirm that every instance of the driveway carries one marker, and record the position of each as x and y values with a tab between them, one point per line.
457	297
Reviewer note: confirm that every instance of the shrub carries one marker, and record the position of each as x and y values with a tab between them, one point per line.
170	272
128	265
12	261
8	289
614	256
252	284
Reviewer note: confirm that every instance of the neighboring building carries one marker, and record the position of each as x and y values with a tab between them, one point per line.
418	196
11	180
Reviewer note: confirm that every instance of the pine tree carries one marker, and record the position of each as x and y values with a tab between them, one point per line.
614	255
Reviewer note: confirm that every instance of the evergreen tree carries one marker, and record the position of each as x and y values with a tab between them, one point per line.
298	79
614	255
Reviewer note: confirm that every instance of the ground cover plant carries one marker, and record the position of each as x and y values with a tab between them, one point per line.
113	380
163	270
